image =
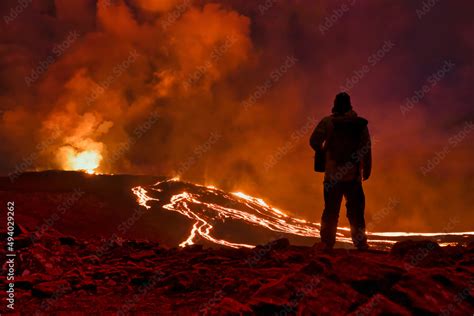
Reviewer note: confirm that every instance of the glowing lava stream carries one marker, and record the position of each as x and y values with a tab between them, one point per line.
261	215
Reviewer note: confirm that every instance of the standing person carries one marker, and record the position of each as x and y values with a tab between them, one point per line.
343	152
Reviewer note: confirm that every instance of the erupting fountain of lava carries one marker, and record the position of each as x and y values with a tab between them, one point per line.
87	160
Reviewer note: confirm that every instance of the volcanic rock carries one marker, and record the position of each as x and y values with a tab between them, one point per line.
68	241
22	241
221	281
313	267
406	247
229	306
88	285
142	255
28	281
48	289
380	305
269	306
276	244
17	231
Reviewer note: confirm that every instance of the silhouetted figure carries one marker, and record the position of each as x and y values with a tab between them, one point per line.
343	152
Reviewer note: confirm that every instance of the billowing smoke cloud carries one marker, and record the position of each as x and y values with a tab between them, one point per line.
228	94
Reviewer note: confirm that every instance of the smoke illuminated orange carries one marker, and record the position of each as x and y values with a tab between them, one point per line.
164	87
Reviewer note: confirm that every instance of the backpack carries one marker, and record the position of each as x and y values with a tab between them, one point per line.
345	139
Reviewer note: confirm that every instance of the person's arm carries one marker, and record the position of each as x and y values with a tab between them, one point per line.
367	157
319	136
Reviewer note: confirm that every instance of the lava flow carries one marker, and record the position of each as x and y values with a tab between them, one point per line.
208	207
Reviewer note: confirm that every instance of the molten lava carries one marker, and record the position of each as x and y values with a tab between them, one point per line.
209	207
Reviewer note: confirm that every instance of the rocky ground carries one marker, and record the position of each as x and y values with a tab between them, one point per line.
73	258
57	273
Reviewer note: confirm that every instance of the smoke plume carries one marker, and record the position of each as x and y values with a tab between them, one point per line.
228	93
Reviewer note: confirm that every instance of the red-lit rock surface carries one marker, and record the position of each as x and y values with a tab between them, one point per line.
81	261
60	273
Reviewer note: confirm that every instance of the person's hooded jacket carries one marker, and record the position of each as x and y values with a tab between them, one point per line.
344	141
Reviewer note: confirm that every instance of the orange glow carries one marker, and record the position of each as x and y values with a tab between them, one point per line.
255	212
259	214
180	87
87	160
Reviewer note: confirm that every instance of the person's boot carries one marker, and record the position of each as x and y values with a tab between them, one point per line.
323	246
363	246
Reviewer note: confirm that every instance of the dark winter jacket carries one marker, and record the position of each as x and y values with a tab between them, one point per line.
344	141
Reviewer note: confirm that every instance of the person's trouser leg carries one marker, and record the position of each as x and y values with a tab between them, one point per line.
355	205
332	204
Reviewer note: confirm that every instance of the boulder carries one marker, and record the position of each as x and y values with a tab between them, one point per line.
406	247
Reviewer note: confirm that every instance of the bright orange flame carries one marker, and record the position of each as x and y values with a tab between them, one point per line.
87	161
